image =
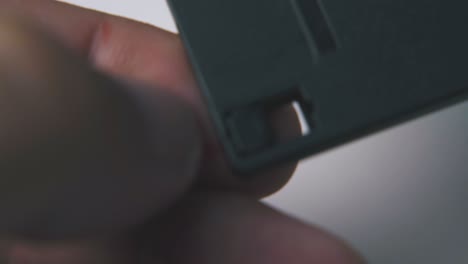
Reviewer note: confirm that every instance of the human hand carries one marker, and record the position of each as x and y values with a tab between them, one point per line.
187	207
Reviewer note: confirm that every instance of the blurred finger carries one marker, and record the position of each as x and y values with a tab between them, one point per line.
98	251
81	153
138	51
229	228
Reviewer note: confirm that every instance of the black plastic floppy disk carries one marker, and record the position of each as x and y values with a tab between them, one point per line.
350	67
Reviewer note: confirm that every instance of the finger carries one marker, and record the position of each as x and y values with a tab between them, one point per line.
81	153
229	228
96	251
138	51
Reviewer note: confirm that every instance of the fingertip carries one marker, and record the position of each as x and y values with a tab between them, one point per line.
79	151
158	57
231	228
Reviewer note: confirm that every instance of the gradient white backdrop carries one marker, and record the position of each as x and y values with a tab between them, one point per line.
400	196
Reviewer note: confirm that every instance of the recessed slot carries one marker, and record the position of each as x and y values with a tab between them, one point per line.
312	16
268	124
278	116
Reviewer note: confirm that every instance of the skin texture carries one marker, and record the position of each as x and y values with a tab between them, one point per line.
60	64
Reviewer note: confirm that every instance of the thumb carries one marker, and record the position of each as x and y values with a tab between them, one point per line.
79	152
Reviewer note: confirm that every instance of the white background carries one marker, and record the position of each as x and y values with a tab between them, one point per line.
399	196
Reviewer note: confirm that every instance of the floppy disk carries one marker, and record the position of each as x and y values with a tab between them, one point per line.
350	67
